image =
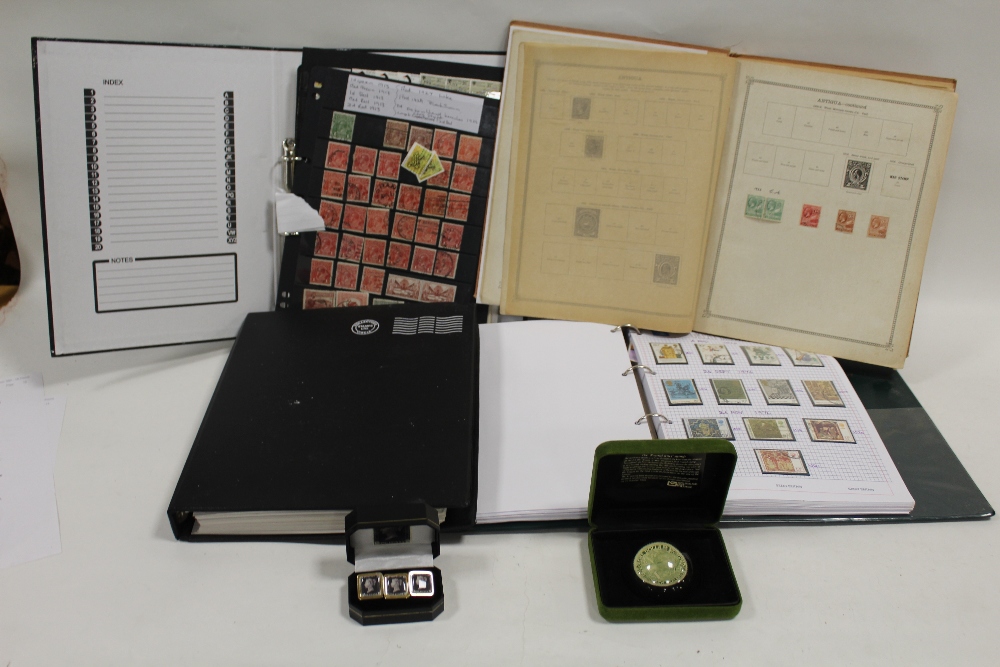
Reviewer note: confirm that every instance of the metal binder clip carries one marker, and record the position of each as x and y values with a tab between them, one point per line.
621	327
633	368
649	415
288	160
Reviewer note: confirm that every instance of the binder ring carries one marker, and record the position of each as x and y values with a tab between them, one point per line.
649	415
630	369
622	327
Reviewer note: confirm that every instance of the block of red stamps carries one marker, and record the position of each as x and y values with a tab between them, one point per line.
420	135
374	252
845	221
330	212
431	292
326	244
313	299
320	272
444	143
359	188
427	231
409	198
468	149
351	247
388	164
458	207
435	202
445	264
403	226
810	216
451	236
333	184
385	193
348	299
337	155
395	134
354	218
372	279
402	287
444	178
378	222
364	160
878	227
347	276
464	178
423	260
399	256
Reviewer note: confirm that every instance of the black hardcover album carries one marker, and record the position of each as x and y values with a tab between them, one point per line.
319	412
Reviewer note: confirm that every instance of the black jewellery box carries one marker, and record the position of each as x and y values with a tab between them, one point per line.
393	550
654	548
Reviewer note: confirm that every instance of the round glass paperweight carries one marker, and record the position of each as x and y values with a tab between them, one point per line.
660	565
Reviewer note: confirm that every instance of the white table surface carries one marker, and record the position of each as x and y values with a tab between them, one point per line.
124	592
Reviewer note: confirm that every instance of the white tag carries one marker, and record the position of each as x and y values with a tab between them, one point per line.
295	215
424	105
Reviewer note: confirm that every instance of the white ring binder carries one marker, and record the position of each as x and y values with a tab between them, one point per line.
630	369
649	415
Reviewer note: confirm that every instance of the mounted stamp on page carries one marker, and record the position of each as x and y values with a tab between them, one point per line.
682	392
768	428
829	430
713	427
729	392
781	462
668	353
712	353
778	392
823	394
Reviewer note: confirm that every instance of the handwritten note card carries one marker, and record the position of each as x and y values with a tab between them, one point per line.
423	105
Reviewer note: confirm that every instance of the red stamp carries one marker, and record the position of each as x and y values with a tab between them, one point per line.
444	178
364	160
845	221
420	135
359	188
336	155
445	264
347	276
878	227
320	272
385	193
451	236
458	207
403	226
348	299
399	256
810	216
388	164
333	184
444	143
374	252
354	218
468	149
464	178
435	202
372	279
378	222
431	292
409	198
314	299
423	260
326	244
395	134
330	212
427	231
402	287
351	247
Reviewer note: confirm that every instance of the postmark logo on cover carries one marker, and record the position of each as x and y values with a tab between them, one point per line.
364	327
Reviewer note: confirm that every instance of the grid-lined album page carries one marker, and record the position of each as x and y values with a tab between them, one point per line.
805	443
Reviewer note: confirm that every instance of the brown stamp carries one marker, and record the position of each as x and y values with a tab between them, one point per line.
314	299
781	462
402	287
444	178
385	193
354	218
364	160
810	216
458	207
388	164
444	143
359	188
445	264
374	252
420	135
435	202
337	155
403	226
464	178
326	244
350	299
423	260
451	236
330	211
409	198
320	272
395	134
378	222
845	221
333	184
878	227
347	276
427	231
829	430
351	247
431	292
372	279
469	148
399	256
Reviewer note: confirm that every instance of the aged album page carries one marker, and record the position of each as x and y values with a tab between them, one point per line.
491	263
613	175
824	211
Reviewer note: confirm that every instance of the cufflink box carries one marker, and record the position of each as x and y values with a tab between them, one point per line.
393	550
655	550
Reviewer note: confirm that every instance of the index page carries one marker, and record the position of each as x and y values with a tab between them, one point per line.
158	165
821	226
614	171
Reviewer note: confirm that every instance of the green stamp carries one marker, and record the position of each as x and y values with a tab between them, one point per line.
730	392
342	127
755	207
773	209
